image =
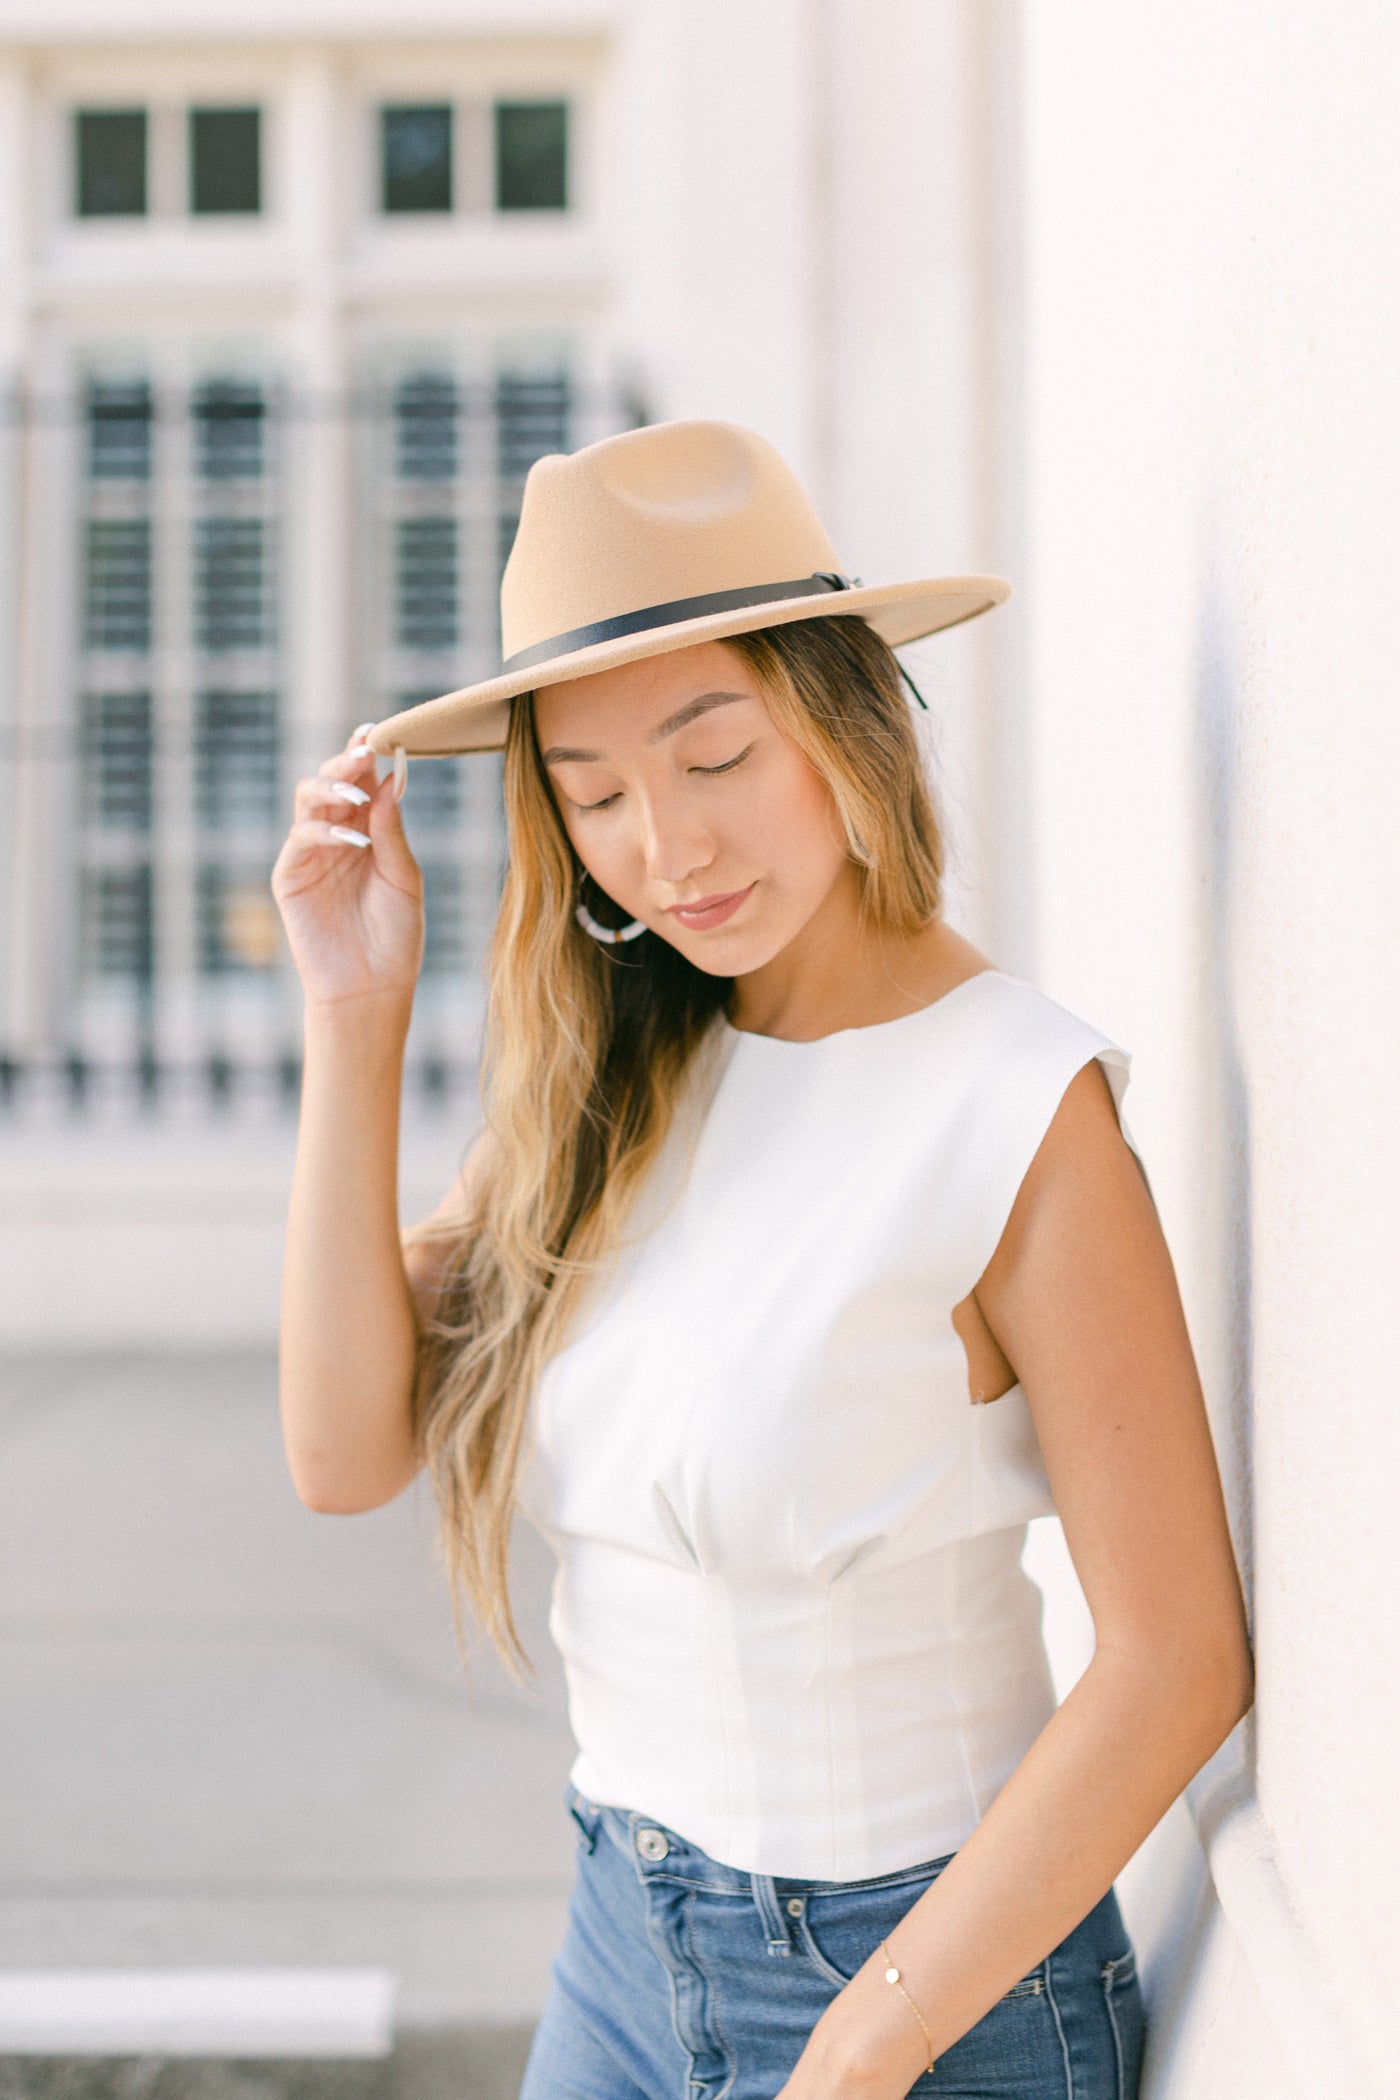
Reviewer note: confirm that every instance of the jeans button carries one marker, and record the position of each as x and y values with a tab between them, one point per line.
794	1906
651	1844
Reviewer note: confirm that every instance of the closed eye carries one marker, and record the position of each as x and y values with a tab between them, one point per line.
606	803
729	763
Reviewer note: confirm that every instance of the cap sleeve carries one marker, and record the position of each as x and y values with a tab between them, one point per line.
1038	1048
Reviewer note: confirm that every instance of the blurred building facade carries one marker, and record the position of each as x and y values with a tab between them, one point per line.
1079	293
290	298
286	332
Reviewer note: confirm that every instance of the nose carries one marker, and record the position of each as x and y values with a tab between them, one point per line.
674	847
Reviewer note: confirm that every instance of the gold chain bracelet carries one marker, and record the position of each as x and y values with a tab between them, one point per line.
893	1976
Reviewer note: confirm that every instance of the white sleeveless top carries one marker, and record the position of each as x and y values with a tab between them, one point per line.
789	1598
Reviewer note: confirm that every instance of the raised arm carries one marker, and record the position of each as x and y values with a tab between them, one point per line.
354	919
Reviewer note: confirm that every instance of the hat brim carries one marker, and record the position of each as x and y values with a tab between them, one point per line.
474	718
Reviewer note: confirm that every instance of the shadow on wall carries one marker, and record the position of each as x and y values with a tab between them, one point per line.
1217	739
1188	1950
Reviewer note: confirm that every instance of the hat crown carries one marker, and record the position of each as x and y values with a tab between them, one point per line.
671	511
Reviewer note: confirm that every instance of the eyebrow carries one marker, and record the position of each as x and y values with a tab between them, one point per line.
561	754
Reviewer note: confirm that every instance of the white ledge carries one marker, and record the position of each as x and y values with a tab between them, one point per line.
196	2012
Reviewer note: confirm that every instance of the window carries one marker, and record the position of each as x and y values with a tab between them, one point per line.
230	584
236	921
196	838
119	431
426	574
532	156
444	925
514	156
225	160
111	163
234	725
425	416
118	926
116	761
416	157
532	418
235	752
117	584
433	798
229	417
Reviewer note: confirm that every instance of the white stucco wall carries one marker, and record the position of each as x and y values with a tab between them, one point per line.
1212	336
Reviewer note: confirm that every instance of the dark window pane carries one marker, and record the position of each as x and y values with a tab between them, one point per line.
532	418
230	584
532	156
427	583
116	761
118	923
229	420
417	157
235	921
444	928
225	160
433	798
119	431
235	760
425	419
117	584
111	163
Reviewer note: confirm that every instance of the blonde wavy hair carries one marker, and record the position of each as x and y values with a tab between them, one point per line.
587	1050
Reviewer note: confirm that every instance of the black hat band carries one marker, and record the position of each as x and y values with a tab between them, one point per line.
671	615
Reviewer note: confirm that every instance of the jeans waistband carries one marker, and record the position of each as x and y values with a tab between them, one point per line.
666	1853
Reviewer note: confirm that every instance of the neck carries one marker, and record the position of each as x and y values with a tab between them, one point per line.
837	973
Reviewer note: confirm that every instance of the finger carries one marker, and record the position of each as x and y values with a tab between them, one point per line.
317	834
321	793
392	852
357	764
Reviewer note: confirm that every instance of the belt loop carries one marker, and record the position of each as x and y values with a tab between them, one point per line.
775	1924
588	1825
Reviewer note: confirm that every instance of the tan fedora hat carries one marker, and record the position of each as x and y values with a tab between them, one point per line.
676	533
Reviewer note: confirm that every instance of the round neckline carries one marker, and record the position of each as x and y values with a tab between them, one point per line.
810	1042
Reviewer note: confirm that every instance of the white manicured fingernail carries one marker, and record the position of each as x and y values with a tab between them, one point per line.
357	736
400	771
346	791
348	837
362	751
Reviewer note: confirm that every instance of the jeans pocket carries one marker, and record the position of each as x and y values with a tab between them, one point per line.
839	1931
840	1928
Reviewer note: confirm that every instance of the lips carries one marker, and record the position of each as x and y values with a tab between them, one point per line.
702	913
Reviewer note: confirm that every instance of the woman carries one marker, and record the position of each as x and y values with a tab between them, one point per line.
802	1261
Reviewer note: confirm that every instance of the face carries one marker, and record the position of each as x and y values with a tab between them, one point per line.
690	808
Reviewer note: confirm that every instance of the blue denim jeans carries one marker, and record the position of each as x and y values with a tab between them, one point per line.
681	1979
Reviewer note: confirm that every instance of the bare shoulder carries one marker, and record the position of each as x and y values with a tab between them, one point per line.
1084	1131
1084	1204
